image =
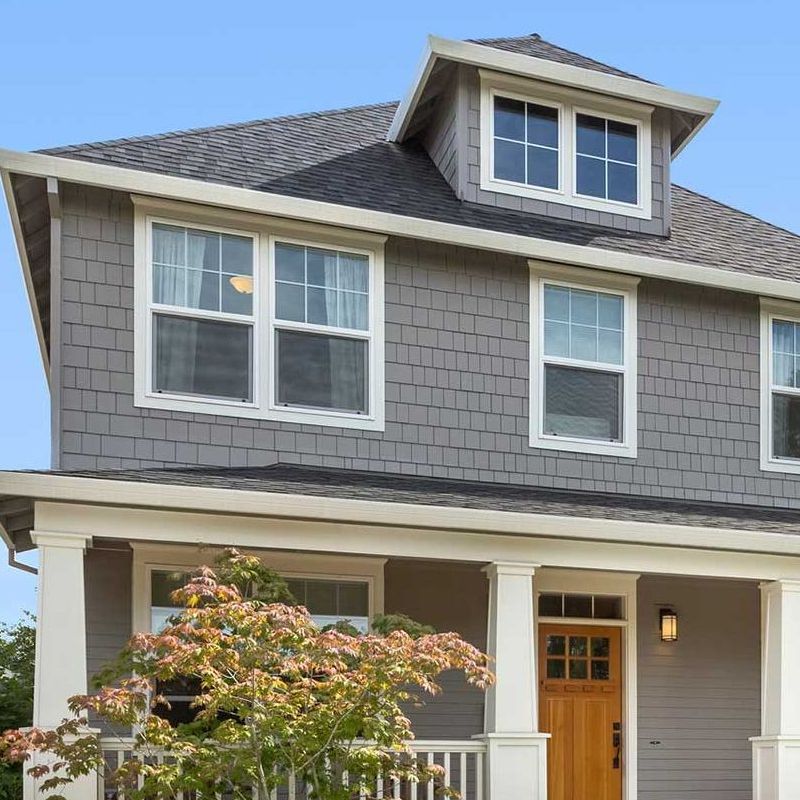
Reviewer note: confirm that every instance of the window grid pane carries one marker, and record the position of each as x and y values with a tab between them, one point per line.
785	355
526	143
329	602
321	287
202	269
583	325
606	159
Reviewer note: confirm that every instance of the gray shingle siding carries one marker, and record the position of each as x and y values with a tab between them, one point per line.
456	380
698	698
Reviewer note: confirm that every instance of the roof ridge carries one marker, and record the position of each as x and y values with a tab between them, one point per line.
749	214
208	128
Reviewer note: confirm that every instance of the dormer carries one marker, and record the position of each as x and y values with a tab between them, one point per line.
526	125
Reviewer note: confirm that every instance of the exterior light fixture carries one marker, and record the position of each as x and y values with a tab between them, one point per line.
669	625
242	283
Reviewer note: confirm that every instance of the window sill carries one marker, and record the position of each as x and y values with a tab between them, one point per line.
619	449
561	197
786	466
223	408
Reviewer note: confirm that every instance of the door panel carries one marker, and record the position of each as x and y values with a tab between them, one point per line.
580	703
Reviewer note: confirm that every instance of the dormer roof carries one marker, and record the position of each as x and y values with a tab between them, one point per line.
535	58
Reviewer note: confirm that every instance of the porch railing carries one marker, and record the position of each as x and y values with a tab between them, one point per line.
461	760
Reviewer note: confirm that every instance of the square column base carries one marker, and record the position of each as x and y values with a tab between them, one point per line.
776	767
516	765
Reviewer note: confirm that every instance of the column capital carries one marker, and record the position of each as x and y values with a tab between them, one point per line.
76	541
526	569
782	585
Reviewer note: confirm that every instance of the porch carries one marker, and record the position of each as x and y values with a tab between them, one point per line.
691	715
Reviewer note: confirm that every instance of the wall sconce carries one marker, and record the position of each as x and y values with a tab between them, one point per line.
669	625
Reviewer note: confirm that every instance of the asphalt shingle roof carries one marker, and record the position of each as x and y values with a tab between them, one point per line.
343	157
439	492
534	45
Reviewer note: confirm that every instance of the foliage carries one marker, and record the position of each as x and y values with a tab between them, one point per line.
17	643
278	696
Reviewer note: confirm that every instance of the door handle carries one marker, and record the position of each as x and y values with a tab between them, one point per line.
616	743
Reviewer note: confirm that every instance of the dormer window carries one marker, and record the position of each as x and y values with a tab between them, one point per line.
526	143
565	146
606	159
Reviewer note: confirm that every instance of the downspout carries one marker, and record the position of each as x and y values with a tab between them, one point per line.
12	562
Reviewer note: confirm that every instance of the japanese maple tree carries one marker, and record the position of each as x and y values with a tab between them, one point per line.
277	697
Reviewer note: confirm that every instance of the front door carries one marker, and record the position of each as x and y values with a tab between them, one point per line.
580	706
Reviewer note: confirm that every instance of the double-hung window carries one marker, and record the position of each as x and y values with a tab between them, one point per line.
322	330
253	323
201	318
780	382
583	376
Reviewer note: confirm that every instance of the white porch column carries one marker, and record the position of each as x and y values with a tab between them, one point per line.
516	751
776	753
60	670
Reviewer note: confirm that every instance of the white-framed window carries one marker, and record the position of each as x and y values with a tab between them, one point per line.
332	587
201	313
583	360
607	158
236	315
565	146
322	330
526	142
780	386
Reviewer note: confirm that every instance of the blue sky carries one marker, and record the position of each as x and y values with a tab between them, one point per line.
84	71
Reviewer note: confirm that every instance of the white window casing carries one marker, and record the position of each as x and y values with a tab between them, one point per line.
150	558
773	311
570	103
562	277
263	232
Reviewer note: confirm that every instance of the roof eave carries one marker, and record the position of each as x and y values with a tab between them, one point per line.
542	69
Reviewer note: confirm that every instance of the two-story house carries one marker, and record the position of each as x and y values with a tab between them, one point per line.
472	357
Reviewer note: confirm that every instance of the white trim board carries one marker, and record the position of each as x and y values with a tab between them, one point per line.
387	539
105	492
360	219
478	55
615	583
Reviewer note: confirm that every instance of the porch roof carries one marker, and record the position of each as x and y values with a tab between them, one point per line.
345	484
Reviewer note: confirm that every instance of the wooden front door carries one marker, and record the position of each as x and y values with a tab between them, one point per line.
580	706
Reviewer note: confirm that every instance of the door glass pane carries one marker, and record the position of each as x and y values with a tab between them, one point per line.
556	668
202	357
578	646
582	403
785	426
555	645
319	371
600	670
578	670
600	646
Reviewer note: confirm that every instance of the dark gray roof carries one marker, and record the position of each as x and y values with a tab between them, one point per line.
534	45
343	157
394	488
